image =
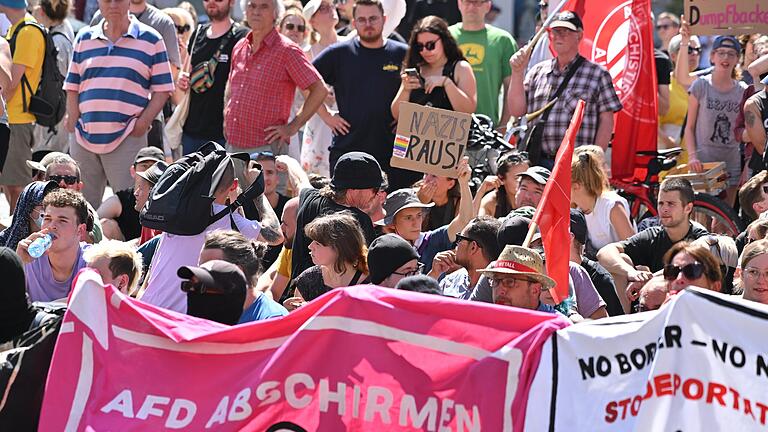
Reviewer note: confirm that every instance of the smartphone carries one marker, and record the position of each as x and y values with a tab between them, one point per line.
412	72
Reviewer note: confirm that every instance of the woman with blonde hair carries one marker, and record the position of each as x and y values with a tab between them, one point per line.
606	212
185	26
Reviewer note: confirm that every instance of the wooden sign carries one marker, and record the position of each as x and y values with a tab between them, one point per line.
726	17
430	140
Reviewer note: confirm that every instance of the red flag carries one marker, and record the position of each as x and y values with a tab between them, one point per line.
553	216
618	34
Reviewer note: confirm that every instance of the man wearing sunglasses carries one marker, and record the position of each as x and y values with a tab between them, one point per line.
532	91
667	26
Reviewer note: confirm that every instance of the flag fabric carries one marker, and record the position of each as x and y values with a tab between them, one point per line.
363	358
553	216
618	34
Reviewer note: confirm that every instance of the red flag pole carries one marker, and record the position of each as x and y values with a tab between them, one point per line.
553	212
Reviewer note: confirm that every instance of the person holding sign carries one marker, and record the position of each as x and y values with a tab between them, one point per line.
713	104
435	72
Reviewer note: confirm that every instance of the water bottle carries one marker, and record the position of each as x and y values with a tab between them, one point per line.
40	245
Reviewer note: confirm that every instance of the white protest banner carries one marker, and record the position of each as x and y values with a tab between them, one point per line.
698	364
721	17
360	358
430	140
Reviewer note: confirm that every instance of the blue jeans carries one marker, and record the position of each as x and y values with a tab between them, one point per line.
191	144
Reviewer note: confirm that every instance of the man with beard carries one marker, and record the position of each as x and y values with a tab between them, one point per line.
647	248
364	121
205	119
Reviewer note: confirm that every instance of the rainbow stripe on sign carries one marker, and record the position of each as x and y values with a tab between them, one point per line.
400	147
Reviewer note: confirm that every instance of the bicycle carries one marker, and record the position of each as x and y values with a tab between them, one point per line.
709	210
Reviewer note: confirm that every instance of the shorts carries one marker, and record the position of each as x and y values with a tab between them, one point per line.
15	171
730	155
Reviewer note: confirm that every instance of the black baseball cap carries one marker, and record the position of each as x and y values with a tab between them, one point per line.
154	172
567	19
513	231
217	276
356	170
579	226
537	173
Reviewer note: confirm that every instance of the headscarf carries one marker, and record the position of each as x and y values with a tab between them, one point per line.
16	313
32	196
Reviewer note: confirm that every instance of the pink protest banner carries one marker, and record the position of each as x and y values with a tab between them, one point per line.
361	358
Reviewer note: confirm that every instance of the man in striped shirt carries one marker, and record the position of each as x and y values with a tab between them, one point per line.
117	82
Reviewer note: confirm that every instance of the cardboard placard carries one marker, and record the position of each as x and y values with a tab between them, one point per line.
430	140
726	17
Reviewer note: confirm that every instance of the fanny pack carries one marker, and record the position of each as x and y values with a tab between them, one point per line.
202	77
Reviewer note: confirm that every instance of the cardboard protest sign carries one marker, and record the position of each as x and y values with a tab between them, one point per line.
698	364
361	358
430	140
721	17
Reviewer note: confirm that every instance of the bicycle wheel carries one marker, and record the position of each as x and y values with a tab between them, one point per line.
716	215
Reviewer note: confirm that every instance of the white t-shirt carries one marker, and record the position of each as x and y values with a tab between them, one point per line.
174	251
599	226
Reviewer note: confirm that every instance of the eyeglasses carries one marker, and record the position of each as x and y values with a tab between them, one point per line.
68	179
726	53
663	26
429	46
183	28
507	283
690	271
298	27
754	273
367	20
460	237
419	268
694	50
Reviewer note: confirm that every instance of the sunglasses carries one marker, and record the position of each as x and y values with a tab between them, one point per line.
460	238
68	179
663	26
298	27
694	50
690	271
429	46
183	28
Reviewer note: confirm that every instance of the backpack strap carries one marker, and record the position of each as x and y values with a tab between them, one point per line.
25	85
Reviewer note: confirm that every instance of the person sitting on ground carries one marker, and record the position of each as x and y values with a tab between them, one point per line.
215	291
65	171
275	279
28	214
652	295
50	277
517	279
605	211
16	314
601	279
390	259
174	251
647	248
117	262
118	213
686	264
420	284
340	255
753	197
233	247
476	247
753	272
500	202
530	186
444	193
143	183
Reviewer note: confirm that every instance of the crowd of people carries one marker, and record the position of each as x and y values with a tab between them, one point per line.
311	93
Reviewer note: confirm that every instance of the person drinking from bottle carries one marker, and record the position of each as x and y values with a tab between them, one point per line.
50	276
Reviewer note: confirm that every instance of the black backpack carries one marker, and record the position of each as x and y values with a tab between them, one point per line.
182	200
49	103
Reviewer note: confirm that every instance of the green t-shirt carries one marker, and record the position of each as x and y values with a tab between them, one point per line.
488	51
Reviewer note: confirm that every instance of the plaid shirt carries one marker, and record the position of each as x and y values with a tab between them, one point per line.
591	82
262	85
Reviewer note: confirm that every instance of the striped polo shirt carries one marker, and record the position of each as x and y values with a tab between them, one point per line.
114	82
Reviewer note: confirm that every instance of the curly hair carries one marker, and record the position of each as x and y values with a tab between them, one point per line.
436	26
61	198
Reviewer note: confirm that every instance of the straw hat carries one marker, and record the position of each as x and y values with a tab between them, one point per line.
520	261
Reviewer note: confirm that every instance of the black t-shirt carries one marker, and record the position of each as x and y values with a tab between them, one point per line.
758	161
604	284
663	67
251	213
648	247
365	81
206	110
311	206
128	221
